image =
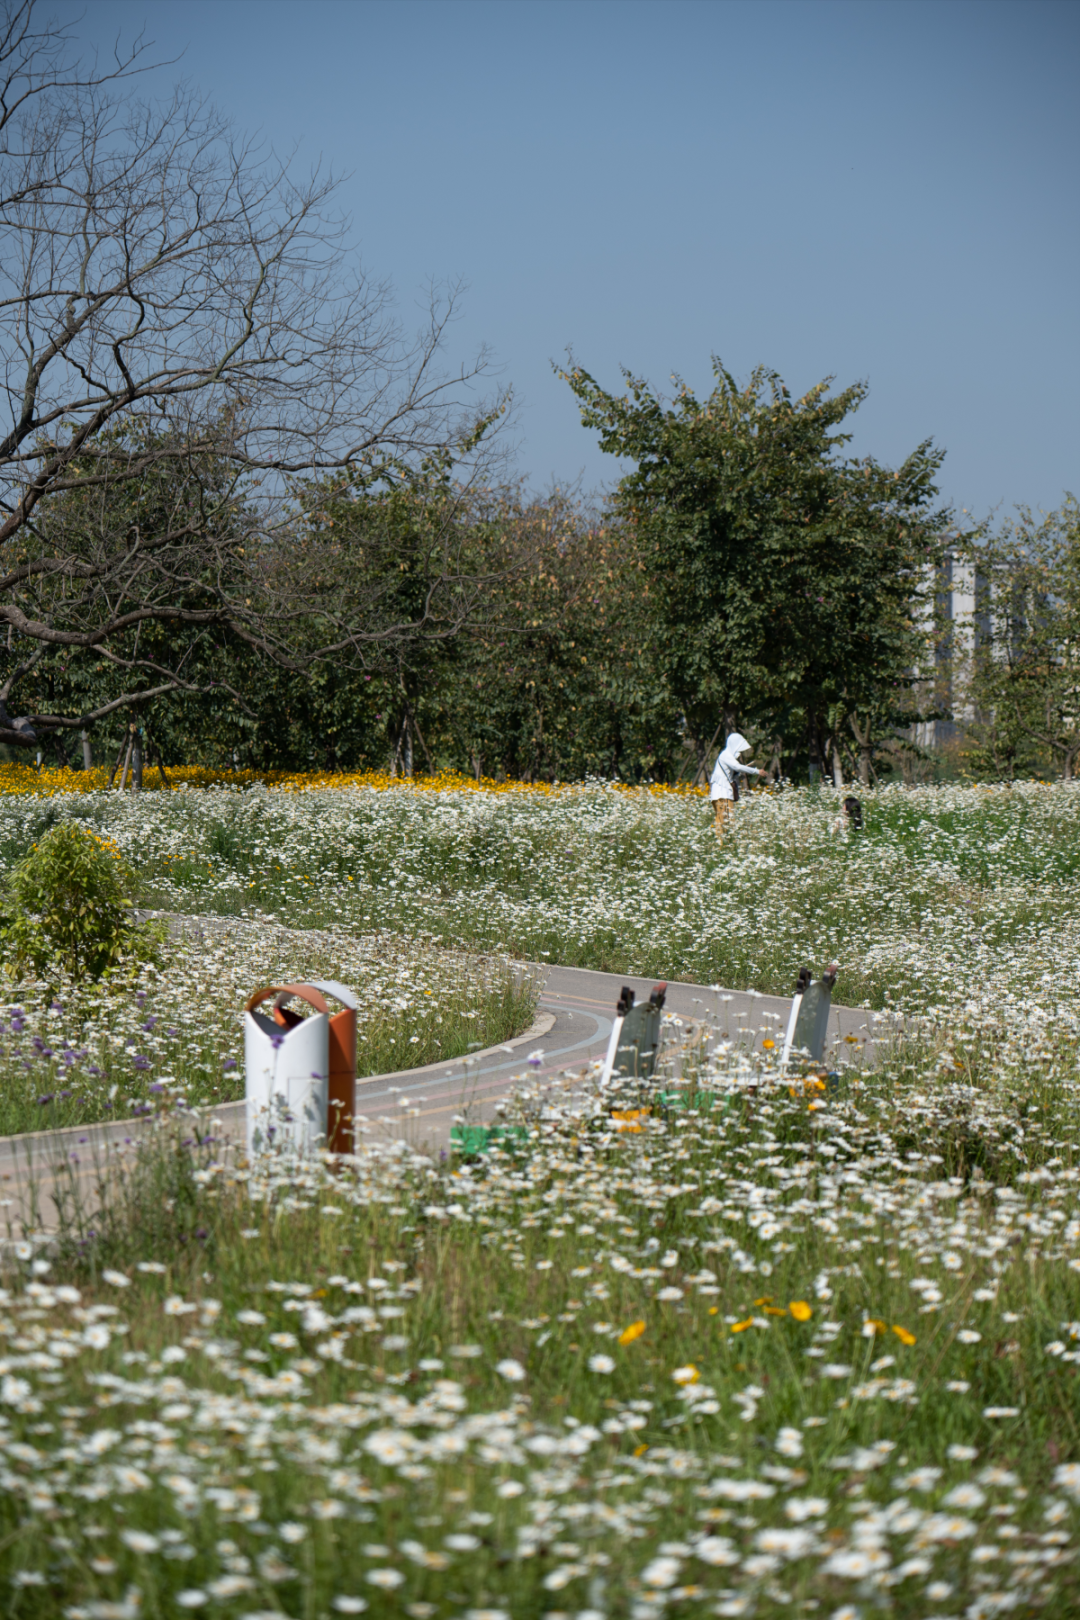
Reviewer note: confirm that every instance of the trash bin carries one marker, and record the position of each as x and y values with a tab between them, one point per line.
300	1072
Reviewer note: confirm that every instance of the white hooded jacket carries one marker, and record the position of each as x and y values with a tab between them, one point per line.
722	783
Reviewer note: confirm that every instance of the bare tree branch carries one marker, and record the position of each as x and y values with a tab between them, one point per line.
181	314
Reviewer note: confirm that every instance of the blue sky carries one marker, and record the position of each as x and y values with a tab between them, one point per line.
878	190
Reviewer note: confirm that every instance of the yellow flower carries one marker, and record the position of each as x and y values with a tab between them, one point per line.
872	1325
741	1327
800	1310
713	1310
634	1331
903	1335
768	1045
639	1451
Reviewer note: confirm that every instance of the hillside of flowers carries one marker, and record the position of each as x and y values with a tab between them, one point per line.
953	899
768	1353
739	1347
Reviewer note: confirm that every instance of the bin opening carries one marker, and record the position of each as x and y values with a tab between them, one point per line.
287	1017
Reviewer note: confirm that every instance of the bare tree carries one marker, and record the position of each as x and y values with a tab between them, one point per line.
179	313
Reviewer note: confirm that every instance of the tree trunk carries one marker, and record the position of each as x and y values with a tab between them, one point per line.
87	756
814	757
116	767
395	760
703	756
127	758
865	746
837	764
161	768
423	744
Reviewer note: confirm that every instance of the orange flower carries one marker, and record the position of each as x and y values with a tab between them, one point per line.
627	1119
800	1310
768	1045
872	1325
634	1331
903	1335
741	1327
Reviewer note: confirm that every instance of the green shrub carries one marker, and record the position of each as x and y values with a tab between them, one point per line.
68	906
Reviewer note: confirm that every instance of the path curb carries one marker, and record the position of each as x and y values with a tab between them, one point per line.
107	1130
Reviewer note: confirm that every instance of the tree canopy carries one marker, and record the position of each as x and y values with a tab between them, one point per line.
785	575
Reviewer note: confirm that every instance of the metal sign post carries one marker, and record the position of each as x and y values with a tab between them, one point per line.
635	1037
808	1021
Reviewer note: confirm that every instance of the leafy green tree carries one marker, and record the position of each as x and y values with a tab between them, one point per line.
785	578
68	905
365	570
1023	676
561	681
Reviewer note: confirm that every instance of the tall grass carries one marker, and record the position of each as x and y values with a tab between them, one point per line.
775	1352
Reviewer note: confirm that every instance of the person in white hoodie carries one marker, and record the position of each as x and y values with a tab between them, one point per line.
724	782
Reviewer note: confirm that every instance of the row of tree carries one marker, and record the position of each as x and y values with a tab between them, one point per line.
613	641
745	573
241	509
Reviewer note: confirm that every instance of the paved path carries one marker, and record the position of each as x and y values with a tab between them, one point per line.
571	1030
581	1005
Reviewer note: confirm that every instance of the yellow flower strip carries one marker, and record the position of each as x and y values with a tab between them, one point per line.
17	779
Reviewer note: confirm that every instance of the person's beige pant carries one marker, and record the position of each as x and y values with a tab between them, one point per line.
724	807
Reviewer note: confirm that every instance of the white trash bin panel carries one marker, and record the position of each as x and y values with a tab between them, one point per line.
287	1060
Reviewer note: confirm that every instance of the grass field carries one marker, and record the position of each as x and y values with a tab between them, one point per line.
793	1355
775	1352
951	896
958	905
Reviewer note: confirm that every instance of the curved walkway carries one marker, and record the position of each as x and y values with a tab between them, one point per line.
571	1030
579	1005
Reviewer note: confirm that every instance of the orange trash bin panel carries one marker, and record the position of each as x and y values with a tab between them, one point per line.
341	1099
